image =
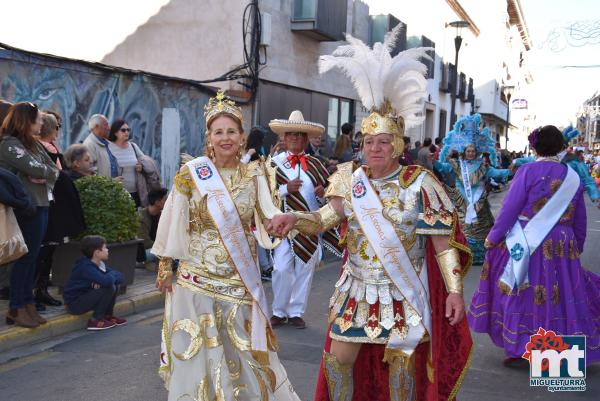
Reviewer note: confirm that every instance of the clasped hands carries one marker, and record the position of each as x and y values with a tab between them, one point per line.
281	224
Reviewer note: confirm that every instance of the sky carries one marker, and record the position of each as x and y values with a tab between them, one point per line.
564	33
85	29
80	29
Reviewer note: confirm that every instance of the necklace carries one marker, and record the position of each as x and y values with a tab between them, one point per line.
231	175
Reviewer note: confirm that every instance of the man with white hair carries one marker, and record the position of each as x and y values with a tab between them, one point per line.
103	160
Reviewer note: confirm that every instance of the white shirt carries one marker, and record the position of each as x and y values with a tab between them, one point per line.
307	190
127	159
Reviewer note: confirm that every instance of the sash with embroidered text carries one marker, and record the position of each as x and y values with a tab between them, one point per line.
382	237
227	220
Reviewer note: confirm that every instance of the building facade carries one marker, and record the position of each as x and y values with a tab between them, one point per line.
203	40
588	123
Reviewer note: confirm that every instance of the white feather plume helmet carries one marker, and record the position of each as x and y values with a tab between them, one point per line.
394	88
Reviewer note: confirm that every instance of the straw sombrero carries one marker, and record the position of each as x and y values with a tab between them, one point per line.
296	123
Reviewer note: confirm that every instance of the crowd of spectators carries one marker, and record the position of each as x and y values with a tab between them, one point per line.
40	209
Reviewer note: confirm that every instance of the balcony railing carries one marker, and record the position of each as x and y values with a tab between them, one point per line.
322	20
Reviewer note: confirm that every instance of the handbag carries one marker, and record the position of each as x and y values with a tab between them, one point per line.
12	243
150	169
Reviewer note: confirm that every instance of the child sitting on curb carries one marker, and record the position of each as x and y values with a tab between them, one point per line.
93	286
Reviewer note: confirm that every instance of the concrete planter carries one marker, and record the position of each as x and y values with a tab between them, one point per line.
122	257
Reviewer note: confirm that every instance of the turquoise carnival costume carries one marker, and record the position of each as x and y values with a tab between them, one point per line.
470	194
572	161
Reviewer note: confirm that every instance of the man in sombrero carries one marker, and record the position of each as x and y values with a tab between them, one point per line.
301	179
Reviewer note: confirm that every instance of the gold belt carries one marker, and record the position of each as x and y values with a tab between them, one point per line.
222	288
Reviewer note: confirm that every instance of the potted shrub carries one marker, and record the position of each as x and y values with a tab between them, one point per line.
110	212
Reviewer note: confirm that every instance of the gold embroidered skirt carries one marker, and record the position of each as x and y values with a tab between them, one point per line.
206	350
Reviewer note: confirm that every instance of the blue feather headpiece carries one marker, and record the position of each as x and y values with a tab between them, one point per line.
467	131
570	133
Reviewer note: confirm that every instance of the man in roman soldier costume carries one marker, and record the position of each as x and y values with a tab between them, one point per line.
301	179
397	310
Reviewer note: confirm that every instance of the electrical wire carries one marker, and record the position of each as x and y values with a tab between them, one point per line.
247	73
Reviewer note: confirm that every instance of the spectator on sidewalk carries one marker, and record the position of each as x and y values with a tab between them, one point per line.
424	155
344	146
65	215
48	137
21	154
315	148
414	153
149	217
357	146
15	196
254	145
93	286
4	270
104	162
78	161
127	154
405	158
438	146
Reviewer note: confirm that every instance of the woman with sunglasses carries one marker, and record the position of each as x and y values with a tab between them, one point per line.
126	153
23	155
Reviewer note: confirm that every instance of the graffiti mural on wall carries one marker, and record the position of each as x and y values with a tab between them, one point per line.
77	90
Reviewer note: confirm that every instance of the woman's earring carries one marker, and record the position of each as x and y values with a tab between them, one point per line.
241	149
211	151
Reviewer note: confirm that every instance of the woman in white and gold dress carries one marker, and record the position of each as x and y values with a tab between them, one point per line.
216	340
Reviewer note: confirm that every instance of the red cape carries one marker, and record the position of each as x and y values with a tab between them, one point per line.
450	346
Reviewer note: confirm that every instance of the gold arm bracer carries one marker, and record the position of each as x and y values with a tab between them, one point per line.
449	262
318	221
307	223
165	269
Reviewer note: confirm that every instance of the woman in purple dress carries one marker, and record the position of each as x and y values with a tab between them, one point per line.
556	292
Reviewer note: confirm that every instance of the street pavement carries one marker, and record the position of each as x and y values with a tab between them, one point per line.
121	364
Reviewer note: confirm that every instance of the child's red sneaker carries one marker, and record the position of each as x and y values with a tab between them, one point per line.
119	321
100	324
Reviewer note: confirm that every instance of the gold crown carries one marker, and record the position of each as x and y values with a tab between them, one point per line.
221	104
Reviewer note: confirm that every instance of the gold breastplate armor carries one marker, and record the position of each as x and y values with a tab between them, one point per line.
209	268
364	275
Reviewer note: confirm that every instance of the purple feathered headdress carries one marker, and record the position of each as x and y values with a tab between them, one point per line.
533	137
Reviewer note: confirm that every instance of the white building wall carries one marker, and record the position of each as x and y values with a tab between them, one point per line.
190	39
